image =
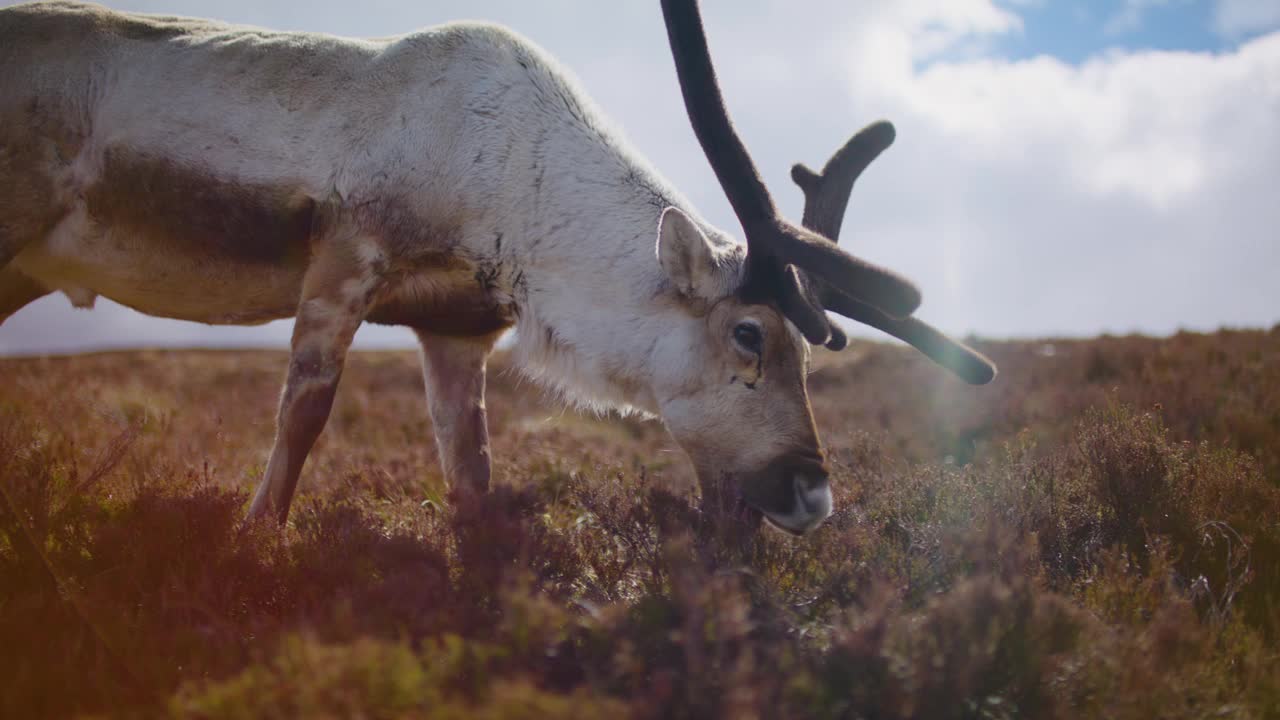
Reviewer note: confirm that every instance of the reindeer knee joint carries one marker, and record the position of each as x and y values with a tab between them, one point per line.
311	363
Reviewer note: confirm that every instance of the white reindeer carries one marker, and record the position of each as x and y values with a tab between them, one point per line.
454	181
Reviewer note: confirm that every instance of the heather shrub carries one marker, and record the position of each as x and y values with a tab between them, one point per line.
1094	535
1211	507
378	679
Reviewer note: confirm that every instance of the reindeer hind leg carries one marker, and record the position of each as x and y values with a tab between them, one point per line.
336	292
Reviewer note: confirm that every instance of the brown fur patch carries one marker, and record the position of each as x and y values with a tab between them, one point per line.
457	304
181	203
335	263
16	291
416	242
34	144
458	316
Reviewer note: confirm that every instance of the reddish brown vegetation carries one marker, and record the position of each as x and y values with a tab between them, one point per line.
1096	534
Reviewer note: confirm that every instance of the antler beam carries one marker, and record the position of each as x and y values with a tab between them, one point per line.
771	240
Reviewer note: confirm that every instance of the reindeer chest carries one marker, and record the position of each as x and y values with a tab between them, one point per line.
448	297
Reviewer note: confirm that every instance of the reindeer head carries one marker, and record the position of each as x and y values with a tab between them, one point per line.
745	421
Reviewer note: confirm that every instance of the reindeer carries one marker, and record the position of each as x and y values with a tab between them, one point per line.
454	181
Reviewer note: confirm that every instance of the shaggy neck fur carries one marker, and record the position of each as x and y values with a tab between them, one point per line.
593	305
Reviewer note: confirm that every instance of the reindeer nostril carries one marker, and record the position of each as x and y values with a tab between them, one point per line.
810	482
813	494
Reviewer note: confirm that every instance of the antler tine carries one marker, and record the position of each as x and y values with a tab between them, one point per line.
826	197
770	239
970	365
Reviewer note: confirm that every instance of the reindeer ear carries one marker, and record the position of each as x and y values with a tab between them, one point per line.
700	267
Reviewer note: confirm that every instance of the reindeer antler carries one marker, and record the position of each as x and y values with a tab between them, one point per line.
772	242
826	196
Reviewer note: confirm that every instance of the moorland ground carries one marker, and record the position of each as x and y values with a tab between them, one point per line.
1096	534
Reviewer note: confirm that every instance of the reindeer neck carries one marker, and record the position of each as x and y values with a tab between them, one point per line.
584	273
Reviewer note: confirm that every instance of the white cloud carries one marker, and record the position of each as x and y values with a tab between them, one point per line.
1124	193
1237	18
1134	191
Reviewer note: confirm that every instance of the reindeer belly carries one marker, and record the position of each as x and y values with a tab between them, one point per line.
162	276
169	240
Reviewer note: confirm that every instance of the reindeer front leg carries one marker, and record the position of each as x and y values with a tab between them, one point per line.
336	295
454	369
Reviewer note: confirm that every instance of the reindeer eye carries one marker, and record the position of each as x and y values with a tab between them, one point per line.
749	337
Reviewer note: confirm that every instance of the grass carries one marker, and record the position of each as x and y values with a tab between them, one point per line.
1095	535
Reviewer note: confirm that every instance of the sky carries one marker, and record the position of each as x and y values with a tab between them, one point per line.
1062	168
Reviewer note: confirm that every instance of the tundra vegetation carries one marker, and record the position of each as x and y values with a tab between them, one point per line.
1097	534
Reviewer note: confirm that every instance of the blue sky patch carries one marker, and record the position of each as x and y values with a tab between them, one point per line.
1074	30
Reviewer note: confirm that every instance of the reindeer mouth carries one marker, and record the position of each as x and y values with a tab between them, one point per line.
796	496
746	511
791	495
781	528
751	517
